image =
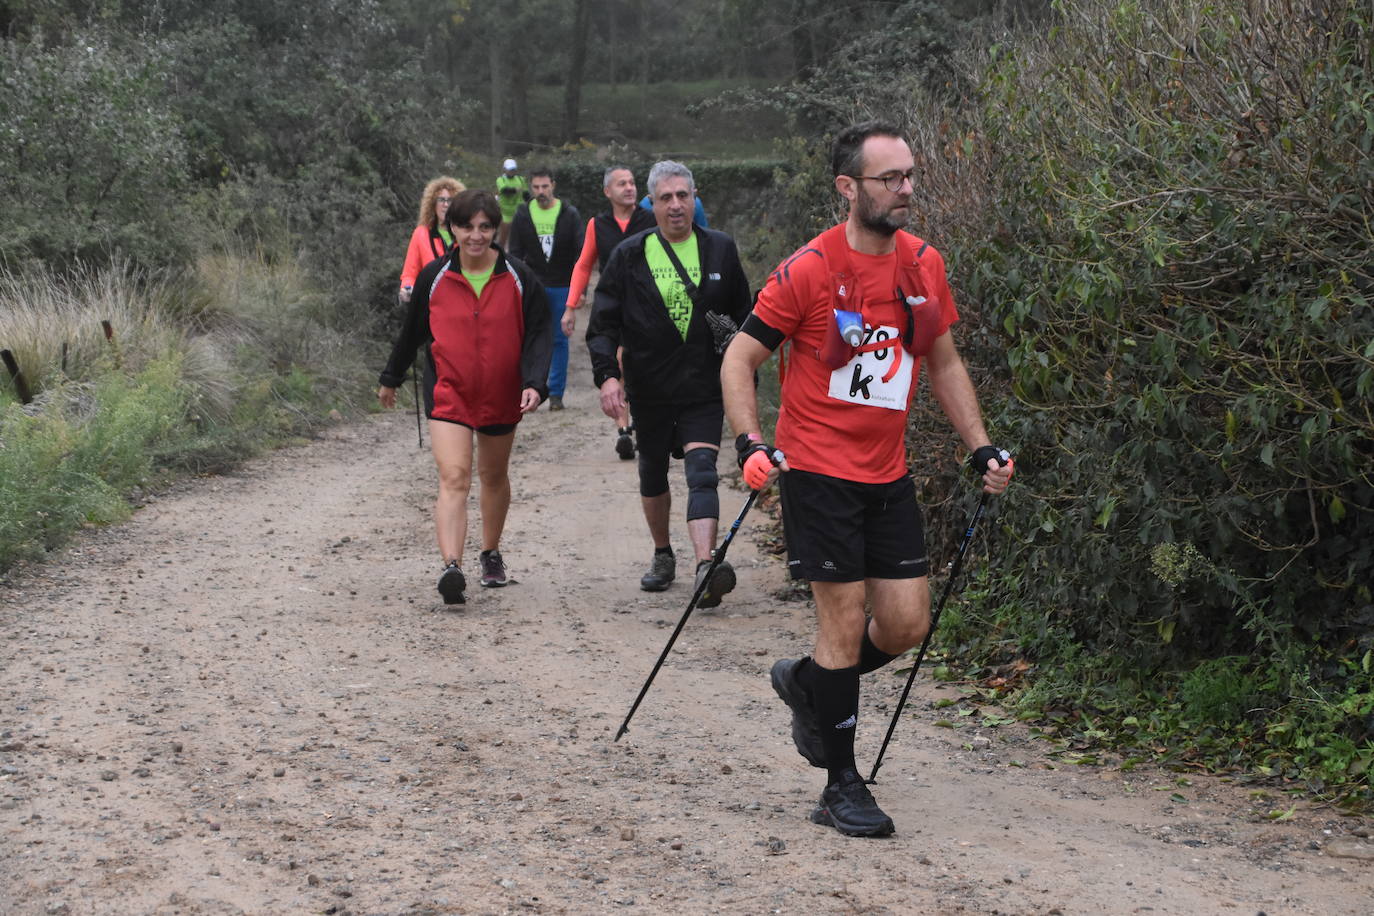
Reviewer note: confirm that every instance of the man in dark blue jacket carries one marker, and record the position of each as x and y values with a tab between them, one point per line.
547	235
672	296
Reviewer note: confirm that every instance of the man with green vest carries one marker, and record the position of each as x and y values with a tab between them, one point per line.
546	234
672	296
511	191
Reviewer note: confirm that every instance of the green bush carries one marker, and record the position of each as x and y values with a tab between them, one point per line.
72	462
1158	219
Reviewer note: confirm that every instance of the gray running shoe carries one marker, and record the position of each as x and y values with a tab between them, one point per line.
556	402
848	806
493	569
661	573
806	732
452	584
722	582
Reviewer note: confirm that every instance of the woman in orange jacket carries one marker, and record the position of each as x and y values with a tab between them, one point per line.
430	239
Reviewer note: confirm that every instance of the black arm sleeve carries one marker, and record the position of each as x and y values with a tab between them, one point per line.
415	329
604	327
740	299
765	334
536	350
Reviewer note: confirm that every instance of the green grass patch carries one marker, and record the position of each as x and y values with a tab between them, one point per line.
239	355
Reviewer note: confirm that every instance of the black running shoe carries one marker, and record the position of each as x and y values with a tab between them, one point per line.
722	581
849	807
625	444
806	732
661	573
452	584
493	569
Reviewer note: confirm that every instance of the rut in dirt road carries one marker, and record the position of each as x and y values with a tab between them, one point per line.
247	700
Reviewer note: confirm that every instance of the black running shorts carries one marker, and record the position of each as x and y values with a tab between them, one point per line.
664	429
841	531
495	429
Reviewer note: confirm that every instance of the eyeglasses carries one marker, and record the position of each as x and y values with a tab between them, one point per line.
892	180
442	200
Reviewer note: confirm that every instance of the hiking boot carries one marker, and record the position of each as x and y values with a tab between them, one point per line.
722	581
848	806
452	583
556	402
806	732
493	569
661	573
625	444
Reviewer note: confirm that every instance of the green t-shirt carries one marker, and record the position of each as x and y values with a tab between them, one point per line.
510	193
544	221
479	280
669	282
446	236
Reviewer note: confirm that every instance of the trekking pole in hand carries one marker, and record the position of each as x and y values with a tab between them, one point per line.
415	382
954	568
716	560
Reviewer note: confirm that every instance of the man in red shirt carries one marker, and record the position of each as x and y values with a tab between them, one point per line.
852	525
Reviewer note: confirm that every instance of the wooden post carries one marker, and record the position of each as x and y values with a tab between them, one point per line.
114	345
20	386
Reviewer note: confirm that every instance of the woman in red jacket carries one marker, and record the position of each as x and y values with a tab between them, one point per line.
430	239
483	320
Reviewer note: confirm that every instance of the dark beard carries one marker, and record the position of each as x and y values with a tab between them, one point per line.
870	219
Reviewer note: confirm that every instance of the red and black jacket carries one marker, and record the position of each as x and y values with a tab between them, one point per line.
481	351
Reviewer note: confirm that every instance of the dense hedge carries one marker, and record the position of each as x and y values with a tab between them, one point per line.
1180	269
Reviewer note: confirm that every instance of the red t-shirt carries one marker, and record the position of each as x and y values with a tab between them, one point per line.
850	422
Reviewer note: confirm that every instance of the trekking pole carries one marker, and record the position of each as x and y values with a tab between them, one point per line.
415	382
716	560
954	568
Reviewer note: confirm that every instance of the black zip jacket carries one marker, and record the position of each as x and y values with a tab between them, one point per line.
661	367
567	244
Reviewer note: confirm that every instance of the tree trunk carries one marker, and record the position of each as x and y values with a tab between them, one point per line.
498	82
572	93
519	95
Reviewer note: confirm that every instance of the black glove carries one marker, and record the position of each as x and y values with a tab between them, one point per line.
723	328
978	461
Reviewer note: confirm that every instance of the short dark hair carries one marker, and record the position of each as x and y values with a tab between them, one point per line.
468	204
847	152
542	172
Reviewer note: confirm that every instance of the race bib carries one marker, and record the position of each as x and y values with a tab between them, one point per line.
546	242
878	378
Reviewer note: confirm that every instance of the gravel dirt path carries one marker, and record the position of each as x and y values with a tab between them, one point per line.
245	700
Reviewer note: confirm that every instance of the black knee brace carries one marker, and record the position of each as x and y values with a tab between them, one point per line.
653	473
702	499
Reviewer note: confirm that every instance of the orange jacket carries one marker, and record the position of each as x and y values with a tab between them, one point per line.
425	245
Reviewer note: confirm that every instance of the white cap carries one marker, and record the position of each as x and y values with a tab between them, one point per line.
508	165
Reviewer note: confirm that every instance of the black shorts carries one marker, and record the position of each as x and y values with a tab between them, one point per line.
663	429
494	429
841	531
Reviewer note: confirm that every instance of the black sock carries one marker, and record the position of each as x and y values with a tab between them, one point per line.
871	658
835	699
668	550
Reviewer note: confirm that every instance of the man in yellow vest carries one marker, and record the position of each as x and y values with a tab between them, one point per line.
511	191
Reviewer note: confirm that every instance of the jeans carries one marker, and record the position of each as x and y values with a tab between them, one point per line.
558	368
